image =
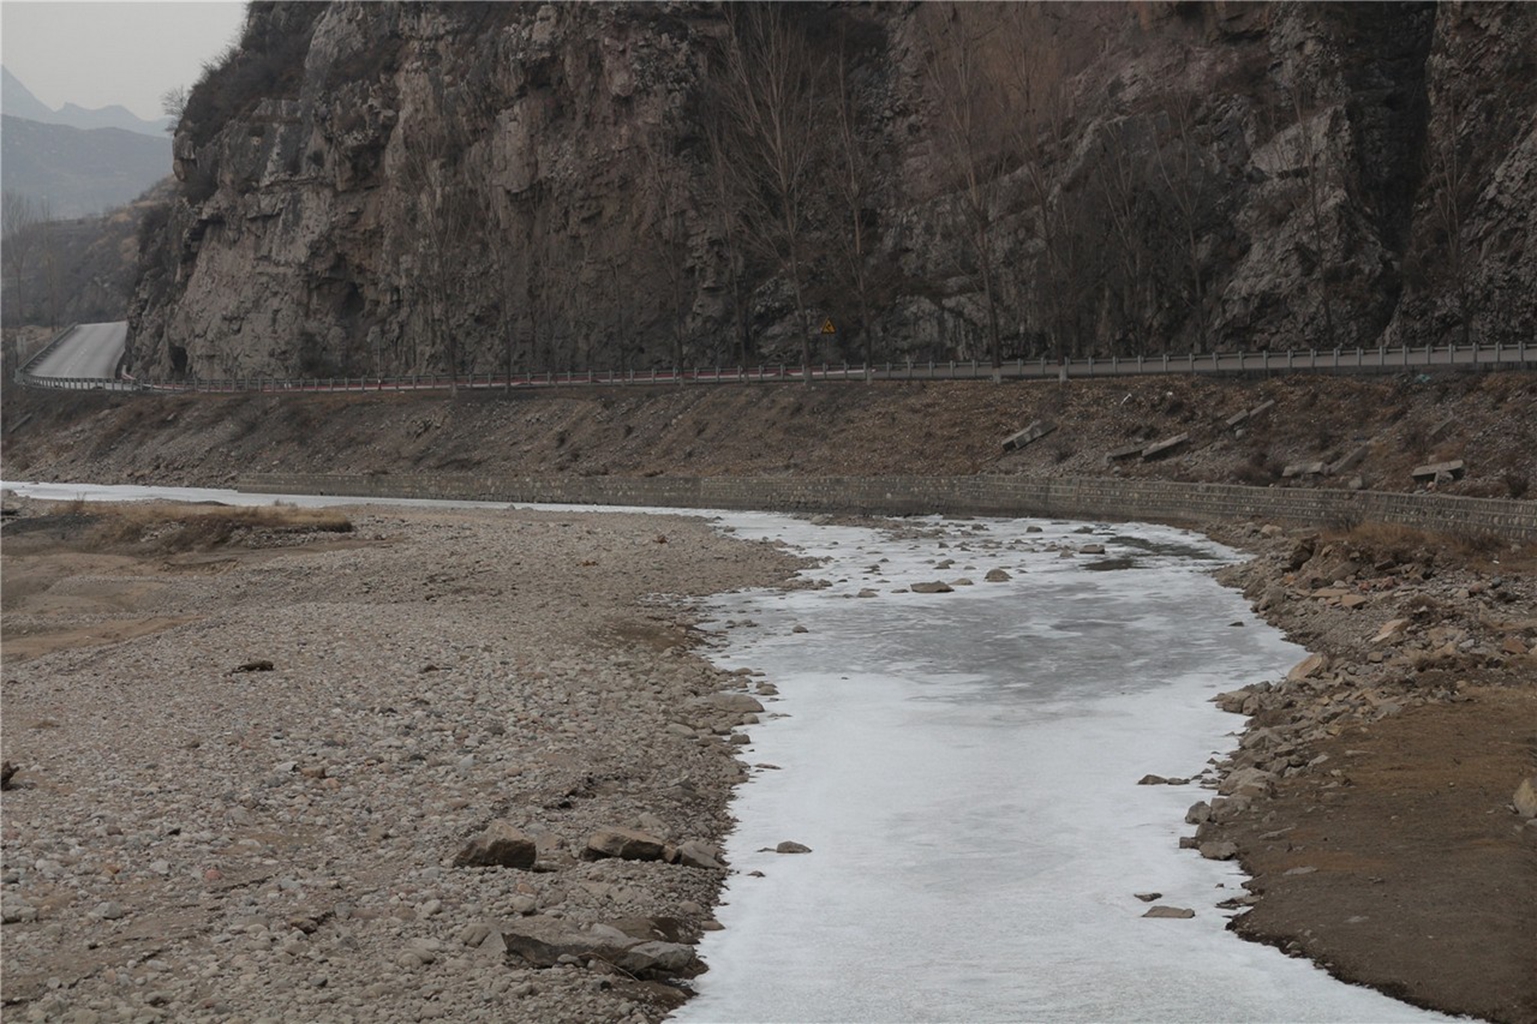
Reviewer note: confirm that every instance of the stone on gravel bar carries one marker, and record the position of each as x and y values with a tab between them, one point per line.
624	843
546	941
1525	798
694	854
737	703
1312	665
501	845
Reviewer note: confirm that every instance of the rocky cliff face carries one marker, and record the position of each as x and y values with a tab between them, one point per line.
385	188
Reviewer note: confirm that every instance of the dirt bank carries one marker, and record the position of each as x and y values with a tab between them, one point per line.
1371	797
1387	425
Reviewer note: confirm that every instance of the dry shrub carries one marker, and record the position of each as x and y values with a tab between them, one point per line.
1387	539
1375	540
1259	471
171	527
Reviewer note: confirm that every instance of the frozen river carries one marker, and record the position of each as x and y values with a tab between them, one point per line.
964	767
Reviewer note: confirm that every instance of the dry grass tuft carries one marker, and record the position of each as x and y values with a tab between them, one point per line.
1406	543
172	527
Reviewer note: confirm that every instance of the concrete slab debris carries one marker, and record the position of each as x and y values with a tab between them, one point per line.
1125	453
1304	469
1350	460
1034	432
1453	468
1161	448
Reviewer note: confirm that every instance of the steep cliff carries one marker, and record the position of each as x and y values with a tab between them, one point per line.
381	188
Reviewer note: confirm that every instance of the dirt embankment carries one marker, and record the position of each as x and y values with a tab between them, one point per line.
1373	797
1386	425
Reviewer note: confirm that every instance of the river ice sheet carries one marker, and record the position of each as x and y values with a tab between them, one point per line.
964	768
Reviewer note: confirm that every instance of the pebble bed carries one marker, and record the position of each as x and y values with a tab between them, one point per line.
187	840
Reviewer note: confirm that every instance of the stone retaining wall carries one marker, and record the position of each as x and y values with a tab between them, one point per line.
1151	500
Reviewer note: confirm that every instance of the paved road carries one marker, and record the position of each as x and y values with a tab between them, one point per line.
90	350
87	357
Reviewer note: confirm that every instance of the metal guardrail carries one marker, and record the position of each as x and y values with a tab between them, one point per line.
1359	360
22	371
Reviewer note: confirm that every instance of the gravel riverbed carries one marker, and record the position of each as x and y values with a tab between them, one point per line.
194	835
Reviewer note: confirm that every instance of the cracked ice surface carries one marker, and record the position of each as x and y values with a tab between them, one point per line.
964	768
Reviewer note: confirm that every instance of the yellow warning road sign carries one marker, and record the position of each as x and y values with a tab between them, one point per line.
827	326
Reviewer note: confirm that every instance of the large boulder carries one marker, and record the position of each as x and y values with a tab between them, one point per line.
1307	668
1525	798
1247	782
624	843
694	854
501	845
735	703
542	941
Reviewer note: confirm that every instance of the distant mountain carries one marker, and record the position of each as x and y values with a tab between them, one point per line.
17	101
79	172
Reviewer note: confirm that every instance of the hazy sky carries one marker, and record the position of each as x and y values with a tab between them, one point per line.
97	54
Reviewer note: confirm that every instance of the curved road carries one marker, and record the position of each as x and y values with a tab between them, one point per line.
88	350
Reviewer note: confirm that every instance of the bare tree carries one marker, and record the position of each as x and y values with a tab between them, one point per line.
1452	189
853	179
19	217
1038	78
665	211
1308	152
173	104
48	242
1121	183
448	216
968	115
771	94
719	181
1181	168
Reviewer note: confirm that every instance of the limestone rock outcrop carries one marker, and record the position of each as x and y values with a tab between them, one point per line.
405	188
